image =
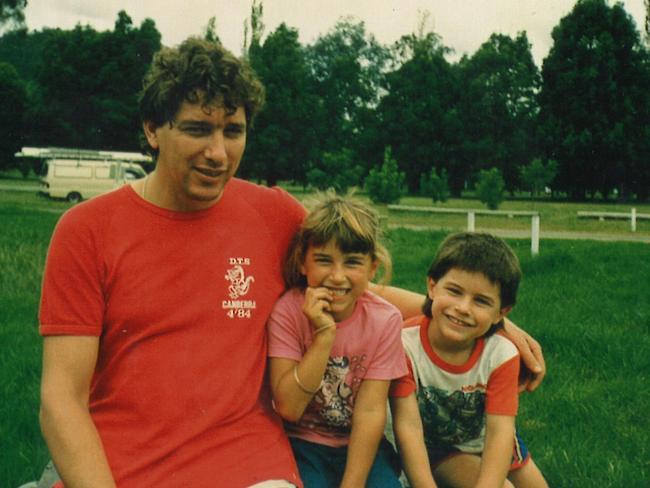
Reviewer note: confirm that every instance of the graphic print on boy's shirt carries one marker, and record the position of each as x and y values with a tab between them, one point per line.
451	417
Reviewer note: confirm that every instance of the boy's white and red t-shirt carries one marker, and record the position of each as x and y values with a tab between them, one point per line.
454	399
367	346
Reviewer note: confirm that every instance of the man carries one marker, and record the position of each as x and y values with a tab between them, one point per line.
155	298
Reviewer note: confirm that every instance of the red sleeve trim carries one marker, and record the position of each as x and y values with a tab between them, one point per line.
503	389
404	386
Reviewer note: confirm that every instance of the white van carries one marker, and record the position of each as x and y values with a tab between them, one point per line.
77	174
78	179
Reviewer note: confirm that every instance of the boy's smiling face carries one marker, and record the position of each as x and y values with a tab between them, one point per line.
465	305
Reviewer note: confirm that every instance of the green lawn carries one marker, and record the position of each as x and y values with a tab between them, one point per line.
587	302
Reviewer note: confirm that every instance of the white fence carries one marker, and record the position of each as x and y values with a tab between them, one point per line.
471	218
633	216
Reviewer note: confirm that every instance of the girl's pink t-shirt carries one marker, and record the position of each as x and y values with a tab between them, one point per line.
367	346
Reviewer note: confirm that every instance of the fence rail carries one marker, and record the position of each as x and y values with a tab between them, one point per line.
471	218
633	216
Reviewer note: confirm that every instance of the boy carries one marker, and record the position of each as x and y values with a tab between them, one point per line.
464	374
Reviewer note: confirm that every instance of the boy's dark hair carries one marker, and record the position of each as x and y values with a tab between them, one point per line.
478	252
198	71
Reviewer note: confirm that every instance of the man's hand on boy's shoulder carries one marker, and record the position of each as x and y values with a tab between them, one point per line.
533	366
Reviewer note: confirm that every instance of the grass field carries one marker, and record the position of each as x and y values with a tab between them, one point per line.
554	215
587	302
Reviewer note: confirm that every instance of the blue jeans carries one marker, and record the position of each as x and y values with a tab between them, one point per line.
323	466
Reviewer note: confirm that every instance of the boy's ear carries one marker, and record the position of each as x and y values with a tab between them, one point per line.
430	286
503	312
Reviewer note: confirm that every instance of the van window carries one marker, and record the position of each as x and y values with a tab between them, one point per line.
72	171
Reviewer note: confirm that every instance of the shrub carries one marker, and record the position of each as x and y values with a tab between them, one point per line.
385	184
434	186
337	171
537	176
490	188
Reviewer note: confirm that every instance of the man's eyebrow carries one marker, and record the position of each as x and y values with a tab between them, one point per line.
196	123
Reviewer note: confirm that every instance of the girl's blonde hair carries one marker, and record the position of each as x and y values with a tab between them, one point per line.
351	223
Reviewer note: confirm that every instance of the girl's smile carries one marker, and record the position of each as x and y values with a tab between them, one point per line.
344	275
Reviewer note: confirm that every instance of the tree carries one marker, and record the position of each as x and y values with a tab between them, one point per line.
537	176
23	50
12	108
254	26
384	184
499	105
435	186
87	89
490	188
335	170
647	18
346	69
210	31
285	141
595	103
416	114
11	12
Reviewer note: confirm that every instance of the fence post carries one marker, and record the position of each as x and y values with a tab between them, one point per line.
534	235
470	221
633	219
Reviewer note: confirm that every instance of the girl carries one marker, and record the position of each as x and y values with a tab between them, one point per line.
334	347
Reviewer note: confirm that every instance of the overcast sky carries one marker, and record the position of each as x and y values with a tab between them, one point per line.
463	24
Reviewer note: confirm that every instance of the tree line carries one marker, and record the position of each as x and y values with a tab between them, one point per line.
346	107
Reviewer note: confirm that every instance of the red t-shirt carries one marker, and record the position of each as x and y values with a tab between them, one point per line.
180	302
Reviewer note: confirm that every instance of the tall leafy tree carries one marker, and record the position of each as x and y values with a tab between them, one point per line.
12	106
499	105
210	30
346	66
285	138
594	101
417	110
254	28
11	12
88	87
23	50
